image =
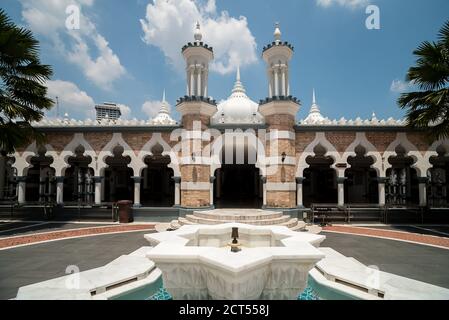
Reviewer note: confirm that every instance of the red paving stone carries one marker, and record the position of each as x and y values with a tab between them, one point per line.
399	235
40	237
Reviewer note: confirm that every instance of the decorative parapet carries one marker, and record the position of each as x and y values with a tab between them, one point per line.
358	122
280	44
197	45
279	98
196	98
89	123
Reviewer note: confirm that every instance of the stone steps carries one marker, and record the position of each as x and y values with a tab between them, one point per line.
251	217
257	222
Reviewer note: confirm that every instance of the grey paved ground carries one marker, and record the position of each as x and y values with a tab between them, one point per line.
427	230
31	264
31	228
417	262
27	265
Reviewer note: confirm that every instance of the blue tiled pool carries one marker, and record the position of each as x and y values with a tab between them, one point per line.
309	294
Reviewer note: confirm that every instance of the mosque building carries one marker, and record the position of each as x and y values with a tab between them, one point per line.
235	154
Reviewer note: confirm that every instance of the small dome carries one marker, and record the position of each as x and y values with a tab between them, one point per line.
277	33
314	116
238	108
163	117
198	35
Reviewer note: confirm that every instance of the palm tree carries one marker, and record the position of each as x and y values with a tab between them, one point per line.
429	108
22	85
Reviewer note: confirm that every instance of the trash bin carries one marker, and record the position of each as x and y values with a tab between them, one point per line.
125	211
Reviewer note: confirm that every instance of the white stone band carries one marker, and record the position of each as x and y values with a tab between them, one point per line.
276	135
271	186
198	186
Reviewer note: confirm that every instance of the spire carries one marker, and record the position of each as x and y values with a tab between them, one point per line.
198	35
315	107
238	86
314	116
164	105
277	33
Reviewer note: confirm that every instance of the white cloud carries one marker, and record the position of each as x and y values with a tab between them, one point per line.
169	24
48	17
344	3
125	110
399	86
151	108
74	101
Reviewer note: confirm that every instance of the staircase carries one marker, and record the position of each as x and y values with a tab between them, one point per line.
245	216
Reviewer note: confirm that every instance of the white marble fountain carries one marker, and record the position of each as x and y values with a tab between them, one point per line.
197	263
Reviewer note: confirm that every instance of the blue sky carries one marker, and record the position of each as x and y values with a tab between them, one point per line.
128	52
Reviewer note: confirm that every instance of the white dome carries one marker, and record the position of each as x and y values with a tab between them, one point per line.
163	117
314	116
238	108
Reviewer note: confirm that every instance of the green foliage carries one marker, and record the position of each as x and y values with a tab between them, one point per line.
429	108
22	85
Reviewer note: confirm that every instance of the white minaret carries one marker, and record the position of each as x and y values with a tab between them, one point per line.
197	56
277	56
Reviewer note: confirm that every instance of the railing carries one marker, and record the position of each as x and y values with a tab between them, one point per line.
327	211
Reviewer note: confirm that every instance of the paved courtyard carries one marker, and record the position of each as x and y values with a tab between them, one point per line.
30	264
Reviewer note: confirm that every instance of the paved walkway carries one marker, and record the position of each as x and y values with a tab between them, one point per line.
439	241
75	231
35	263
415	261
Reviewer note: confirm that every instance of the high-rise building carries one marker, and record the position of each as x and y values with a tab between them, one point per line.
108	110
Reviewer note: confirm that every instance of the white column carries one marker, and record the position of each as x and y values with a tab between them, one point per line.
137	181
198	89
276	82
270	84
98	183
264	181
60	190
341	191
211	190
381	185
192	81
21	185
284	89
423	191
299	193
177	191
206	79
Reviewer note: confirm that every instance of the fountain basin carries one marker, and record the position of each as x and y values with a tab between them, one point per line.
197	262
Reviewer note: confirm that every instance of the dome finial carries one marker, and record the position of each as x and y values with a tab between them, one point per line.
277	33
238	86
198	35
314	98
163	96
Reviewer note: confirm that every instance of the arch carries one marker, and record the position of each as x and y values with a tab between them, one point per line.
70	149
23	162
117	140
156	139
320	139
254	142
420	164
433	150
371	151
